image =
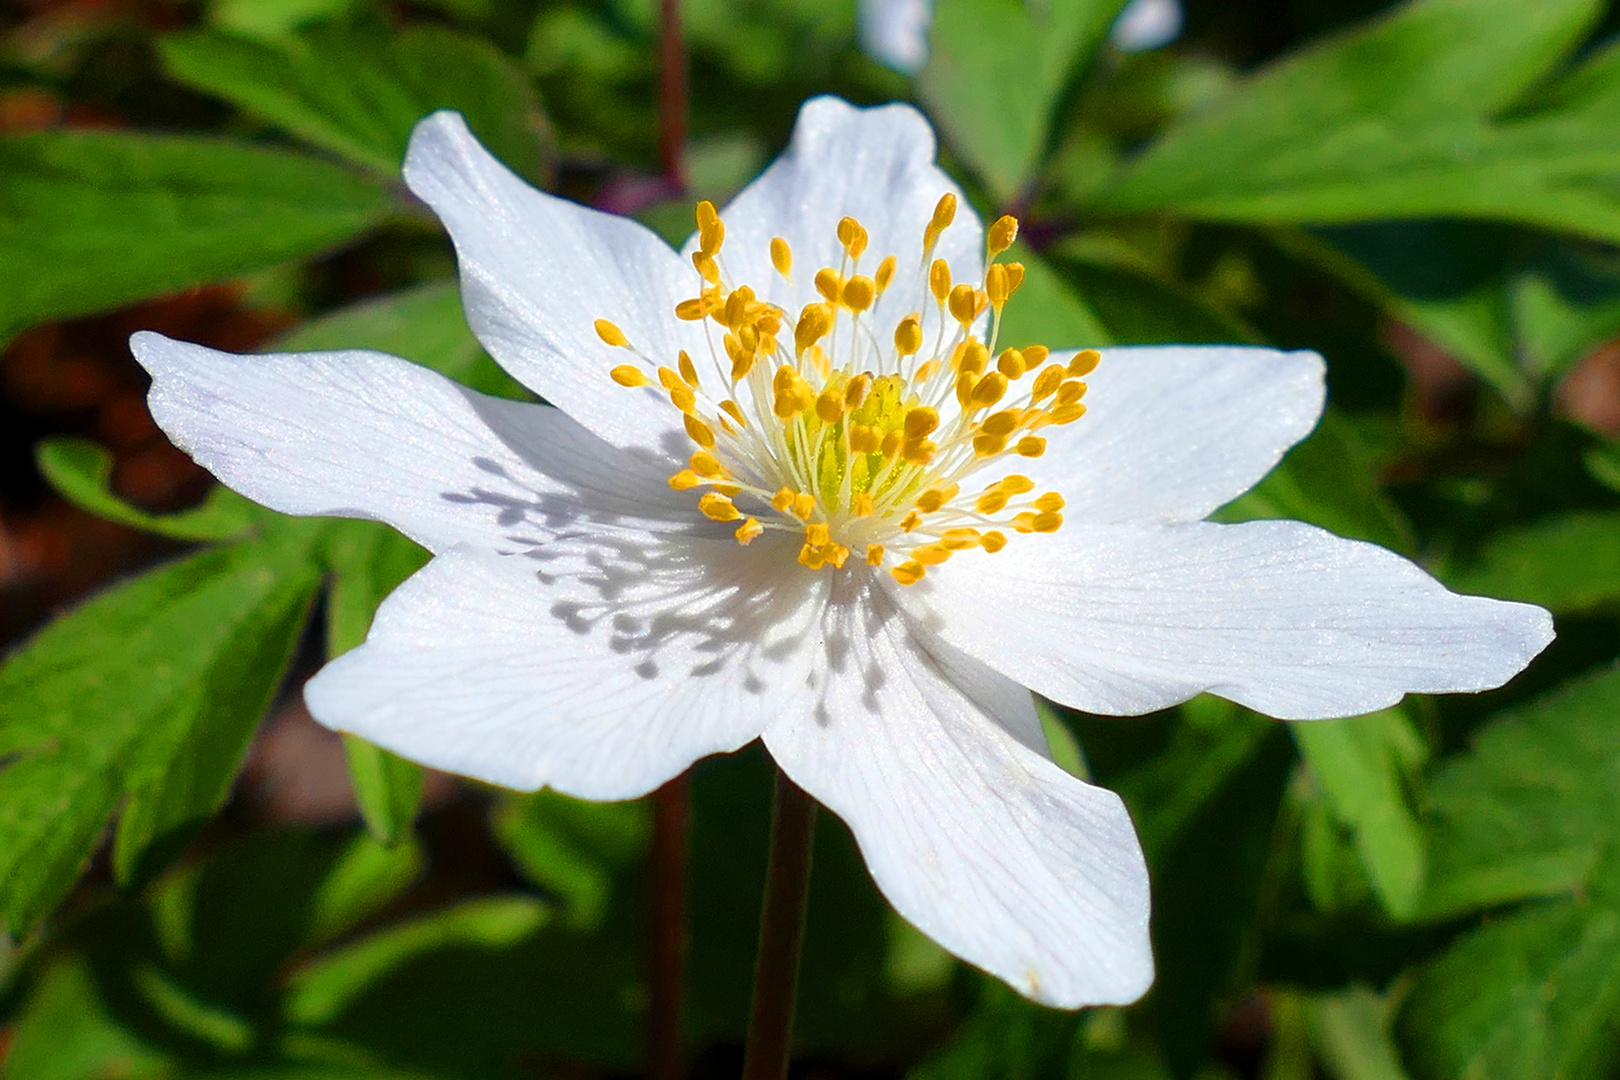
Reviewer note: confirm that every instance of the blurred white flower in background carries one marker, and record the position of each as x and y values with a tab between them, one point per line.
895	32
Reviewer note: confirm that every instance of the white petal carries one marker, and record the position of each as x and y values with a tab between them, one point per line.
875	165
989	848
1147	24
599	668
1174	432
363	434
895	32
1285	618
538	271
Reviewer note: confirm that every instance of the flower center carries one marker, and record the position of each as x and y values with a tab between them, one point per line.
865	452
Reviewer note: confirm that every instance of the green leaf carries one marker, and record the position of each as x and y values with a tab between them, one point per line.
572	848
1526	811
82	470
995	72
1047	311
424	325
358	92
319	991
1532	996
65	1031
1327	480
175	668
1396	119
1350	1032
364	878
1570	563
1365	766
152	214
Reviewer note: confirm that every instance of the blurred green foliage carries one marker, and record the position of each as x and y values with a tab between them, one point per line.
1430	892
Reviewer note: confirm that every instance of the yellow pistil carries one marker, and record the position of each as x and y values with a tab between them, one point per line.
853	426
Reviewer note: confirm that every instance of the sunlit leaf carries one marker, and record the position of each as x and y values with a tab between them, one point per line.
82	470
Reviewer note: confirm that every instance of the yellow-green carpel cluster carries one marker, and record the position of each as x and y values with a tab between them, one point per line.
869	453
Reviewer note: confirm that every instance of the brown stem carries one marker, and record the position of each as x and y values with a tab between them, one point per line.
781	933
671	95
672	811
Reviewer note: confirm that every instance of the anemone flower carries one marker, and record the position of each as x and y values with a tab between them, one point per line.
791	486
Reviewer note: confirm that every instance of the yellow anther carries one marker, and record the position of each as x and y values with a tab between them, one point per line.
1034	355
670	378
706	464
996	285
1084	363
863	504
707	268
1001	423
830	284
910	521
989	390
874	554
730	491
856	391
688	370
685	480
972	356
1047	382
1011	364
812	557
921	421
944	214
781	256
927	371
814	323
908	336
853	236
611	334
1047	522
1031	446
782	501
859	292
931	500
1066	414
830	405
742	362
731	409
989	445
1025	522
817	533
993	541
629	375
890	446
864	439
918	451
965	383
740	305
909	572
711	236
960	539
804	504
1050	503
717	507
1015	276
1014	484
682	397
1001	234
939	280
963	302
699	432
693	310
749	531
884	275
931	554
705	213
991	502
1071	391
837	554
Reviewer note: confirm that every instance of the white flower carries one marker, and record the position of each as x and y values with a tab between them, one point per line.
709	539
895	32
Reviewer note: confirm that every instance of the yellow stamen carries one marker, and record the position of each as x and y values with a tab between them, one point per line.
611	334
629	375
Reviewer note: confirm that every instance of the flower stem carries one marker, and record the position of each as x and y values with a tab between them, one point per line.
672	812
671	95
781	933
